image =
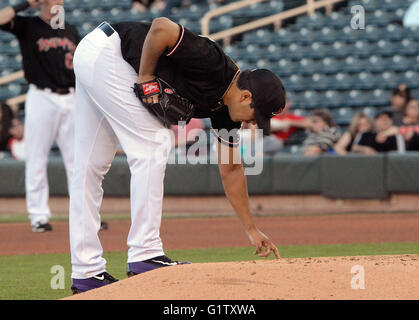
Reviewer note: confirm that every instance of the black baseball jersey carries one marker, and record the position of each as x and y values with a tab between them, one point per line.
47	53
196	67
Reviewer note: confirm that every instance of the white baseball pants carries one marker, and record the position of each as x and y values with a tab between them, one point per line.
108	111
49	117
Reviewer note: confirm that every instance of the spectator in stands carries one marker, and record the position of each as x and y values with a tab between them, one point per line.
17	142
145	5
373	142
283	126
409	127
399	99
6	116
322	135
360	123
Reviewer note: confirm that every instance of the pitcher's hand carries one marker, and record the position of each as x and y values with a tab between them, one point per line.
261	241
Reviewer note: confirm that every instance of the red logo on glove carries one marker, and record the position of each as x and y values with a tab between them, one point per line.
168	91
150	88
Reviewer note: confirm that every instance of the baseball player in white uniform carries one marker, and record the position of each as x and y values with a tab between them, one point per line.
176	75
49	110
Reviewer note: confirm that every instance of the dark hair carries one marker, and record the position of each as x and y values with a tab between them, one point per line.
325	116
5	124
242	82
403	91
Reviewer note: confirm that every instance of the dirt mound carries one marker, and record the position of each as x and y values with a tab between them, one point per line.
370	277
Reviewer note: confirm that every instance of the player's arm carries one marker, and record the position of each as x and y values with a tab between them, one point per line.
235	187
163	35
7	14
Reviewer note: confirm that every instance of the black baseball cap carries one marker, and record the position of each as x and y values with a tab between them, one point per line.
268	97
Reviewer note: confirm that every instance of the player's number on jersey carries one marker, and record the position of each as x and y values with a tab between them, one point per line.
58	19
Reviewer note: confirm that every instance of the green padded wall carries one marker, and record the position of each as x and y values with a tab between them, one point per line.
353	177
295	174
403	172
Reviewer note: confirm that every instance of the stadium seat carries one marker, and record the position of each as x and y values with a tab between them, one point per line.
286	67
307	66
397	63
314	21
4	60
339	49
321	81
362	49
388	80
353	64
297	82
356	98
330	65
338	20
342	116
316	50
408	47
329	35
364	80
333	99
413	62
410	78
380	97
311	99
384	48
271	52
283	37
378	17
342	81
393	32
304	36
375	64
251	52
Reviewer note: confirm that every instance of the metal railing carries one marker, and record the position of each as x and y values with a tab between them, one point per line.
309	8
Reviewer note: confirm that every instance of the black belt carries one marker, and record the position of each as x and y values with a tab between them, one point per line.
106	28
58	90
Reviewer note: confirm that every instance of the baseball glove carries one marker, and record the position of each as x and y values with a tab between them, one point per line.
171	107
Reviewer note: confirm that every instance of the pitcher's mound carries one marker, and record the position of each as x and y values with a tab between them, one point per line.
369	277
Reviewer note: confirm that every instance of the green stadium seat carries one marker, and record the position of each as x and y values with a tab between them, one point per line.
330	65
316	50
342	81
333	99
353	64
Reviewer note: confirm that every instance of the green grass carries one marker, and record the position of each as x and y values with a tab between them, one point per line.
29	276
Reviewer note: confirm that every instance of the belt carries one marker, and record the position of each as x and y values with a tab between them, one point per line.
61	91
106	28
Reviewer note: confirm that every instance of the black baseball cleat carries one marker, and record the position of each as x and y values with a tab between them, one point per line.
41	227
135	268
104	226
97	281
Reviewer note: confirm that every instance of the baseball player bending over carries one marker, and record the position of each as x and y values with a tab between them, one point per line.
133	80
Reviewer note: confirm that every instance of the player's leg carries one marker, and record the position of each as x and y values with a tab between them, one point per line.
95	147
40	132
65	134
141	136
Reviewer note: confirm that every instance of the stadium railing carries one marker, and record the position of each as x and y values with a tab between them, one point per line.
309	8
